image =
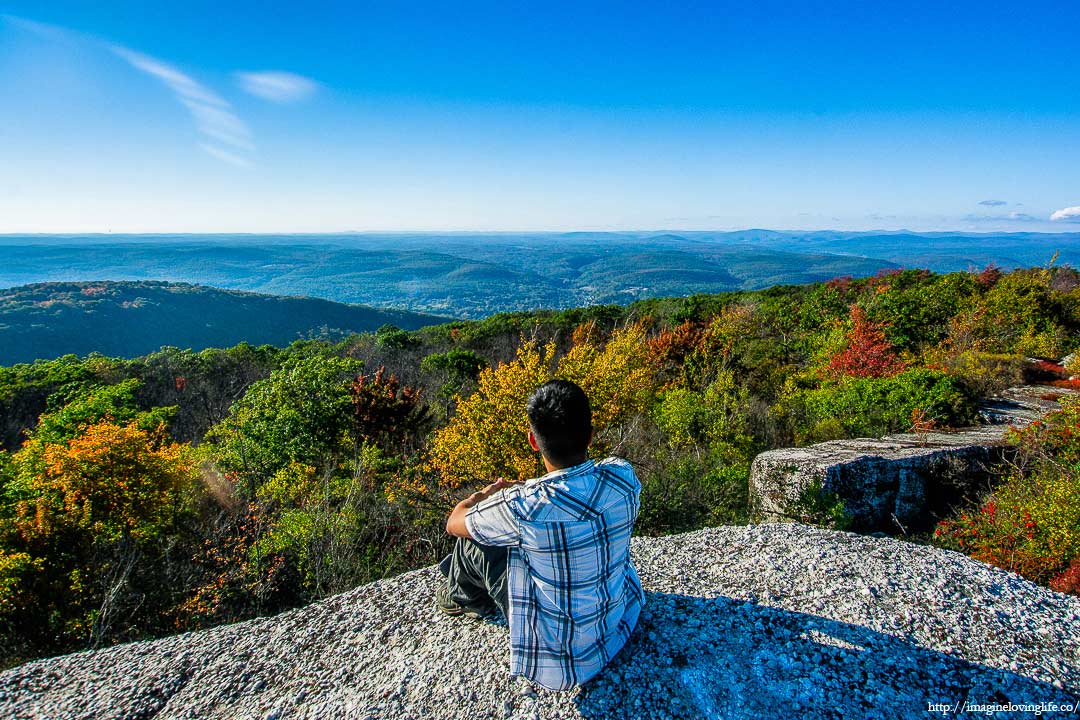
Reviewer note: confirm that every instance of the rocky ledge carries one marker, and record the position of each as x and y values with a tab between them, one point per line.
765	621
896	484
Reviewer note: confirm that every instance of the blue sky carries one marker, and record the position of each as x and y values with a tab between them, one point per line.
305	117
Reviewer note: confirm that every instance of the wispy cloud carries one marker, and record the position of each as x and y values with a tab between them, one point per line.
276	86
1069	214
224	155
993	203
1017	217
42	30
225	136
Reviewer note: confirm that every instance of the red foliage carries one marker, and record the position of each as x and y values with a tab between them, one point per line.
669	350
1068	581
181	382
989	276
885	273
1051	368
841	284
385	410
987	536
868	353
1045	372
881	281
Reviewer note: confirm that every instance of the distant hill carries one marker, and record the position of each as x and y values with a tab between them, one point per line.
473	275
128	319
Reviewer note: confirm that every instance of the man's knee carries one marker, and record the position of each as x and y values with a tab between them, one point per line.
484	555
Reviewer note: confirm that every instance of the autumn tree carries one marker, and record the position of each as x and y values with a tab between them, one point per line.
868	353
93	499
110	482
486	438
384	411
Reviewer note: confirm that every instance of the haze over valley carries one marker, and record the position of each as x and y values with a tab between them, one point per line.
472	275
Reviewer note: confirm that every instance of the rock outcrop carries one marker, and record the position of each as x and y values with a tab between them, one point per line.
768	621
898	483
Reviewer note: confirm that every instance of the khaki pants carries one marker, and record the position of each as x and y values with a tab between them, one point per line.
476	575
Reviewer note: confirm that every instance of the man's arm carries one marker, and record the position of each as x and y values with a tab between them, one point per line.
455	524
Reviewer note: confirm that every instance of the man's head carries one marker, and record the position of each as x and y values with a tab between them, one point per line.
561	422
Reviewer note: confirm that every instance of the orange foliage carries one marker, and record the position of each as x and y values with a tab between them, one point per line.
690	354
111	480
669	350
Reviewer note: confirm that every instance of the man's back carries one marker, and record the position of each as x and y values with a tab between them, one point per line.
573	593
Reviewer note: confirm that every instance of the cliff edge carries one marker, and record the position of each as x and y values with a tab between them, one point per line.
765	621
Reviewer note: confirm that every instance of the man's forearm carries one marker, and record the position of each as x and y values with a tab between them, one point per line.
455	524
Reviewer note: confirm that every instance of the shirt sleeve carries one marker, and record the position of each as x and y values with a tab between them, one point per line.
492	522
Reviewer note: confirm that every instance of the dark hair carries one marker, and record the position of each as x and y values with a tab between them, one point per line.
561	420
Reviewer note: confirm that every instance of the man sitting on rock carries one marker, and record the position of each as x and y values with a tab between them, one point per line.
552	553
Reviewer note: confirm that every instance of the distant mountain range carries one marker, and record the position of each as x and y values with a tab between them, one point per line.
473	275
128	319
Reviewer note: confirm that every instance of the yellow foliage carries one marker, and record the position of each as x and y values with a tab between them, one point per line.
1033	343
734	323
296	484
617	378
1061	519
13	565
487	438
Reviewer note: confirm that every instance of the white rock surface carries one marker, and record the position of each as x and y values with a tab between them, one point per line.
766	621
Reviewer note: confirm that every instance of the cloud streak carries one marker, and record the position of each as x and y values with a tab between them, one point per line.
1017	217
1069	215
225	136
993	203
276	86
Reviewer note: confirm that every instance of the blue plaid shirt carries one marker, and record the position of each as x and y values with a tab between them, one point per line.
572	590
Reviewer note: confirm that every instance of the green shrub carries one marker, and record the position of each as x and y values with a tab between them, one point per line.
814	506
870	407
692	492
391	337
982	373
301	413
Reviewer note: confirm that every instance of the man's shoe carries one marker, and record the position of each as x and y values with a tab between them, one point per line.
448	607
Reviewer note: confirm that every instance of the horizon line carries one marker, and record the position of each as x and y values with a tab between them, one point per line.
212	233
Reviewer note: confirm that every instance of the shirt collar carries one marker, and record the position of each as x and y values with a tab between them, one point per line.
568	471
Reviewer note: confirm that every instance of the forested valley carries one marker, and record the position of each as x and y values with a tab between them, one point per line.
186	489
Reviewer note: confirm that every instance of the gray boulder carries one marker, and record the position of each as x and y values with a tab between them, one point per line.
895	484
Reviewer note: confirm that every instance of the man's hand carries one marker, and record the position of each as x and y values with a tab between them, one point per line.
455	524
494	487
